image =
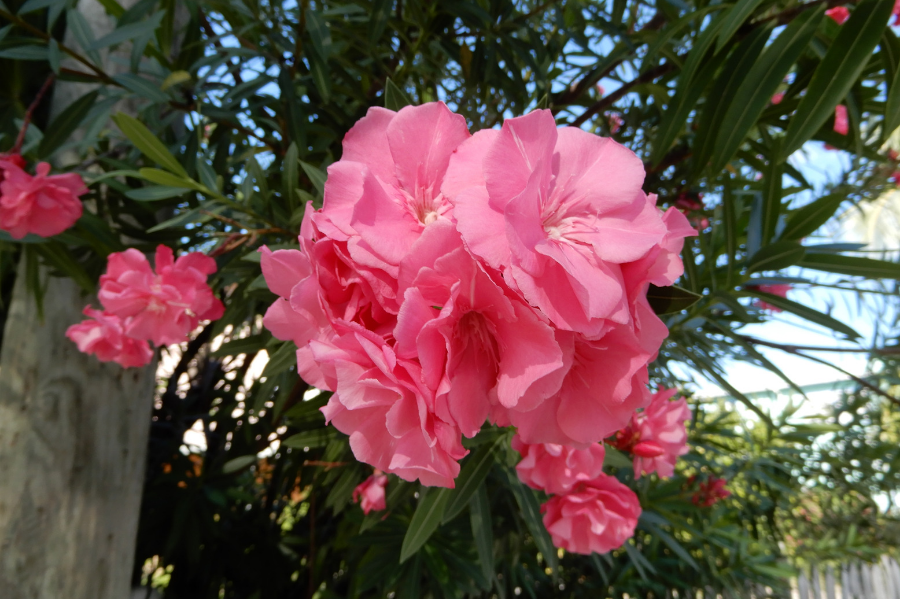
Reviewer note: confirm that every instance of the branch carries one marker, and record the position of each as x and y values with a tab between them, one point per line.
20	139
614	97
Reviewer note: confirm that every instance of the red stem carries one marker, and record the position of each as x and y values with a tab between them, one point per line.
28	113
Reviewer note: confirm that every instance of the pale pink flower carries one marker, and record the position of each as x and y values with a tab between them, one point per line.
839	14
781	290
841	123
162	306
104	336
594	517
476	346
896	13
381	402
386	188
777	98
556	469
371	491
656	435
43	204
557	211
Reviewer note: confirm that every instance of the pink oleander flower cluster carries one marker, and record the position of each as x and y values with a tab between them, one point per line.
453	279
41	204
839	14
143	305
656	436
588	511
370	493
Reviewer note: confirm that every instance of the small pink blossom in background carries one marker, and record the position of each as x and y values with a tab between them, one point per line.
594	517
781	290
556	469
103	335
657	435
162	306
371	492
43	204
841	123
896	13
600	90
777	98
839	14
710	492
692	207
615	122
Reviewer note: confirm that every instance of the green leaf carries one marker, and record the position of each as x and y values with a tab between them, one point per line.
734	18
890	50
129	31
723	92
771	197
470	477
531	514
480	519
282	359
394	97
852	266
33	5
804	312
77	25
807	220
155	193
318	54
640	562
667	300
425	521
29	52
160	177
290	176
615	458
316	176
672	544
378	18
838	71
142	87
61	128
342	490
760	83
776	256
148	143
245	345
53	55
240	463
319	437
681	105
58	256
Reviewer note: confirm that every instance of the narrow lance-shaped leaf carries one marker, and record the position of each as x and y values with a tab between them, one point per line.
470	478
148	143
852	266
531	514
808	219
425	521
480	518
62	127
734	19
776	256
394	97
838	71
761	81
804	312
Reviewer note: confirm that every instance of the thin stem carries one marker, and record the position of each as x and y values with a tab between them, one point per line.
30	112
883	351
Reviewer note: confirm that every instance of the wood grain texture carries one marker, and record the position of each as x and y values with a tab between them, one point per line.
73	437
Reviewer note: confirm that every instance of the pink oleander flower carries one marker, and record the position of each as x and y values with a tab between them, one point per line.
777	98
386	189
710	492
371	491
477	347
594	517
14	159
691	205
781	290
162	306
557	212
656	435
839	14
896	13
104	336
381	402
841	123
43	204
556	469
